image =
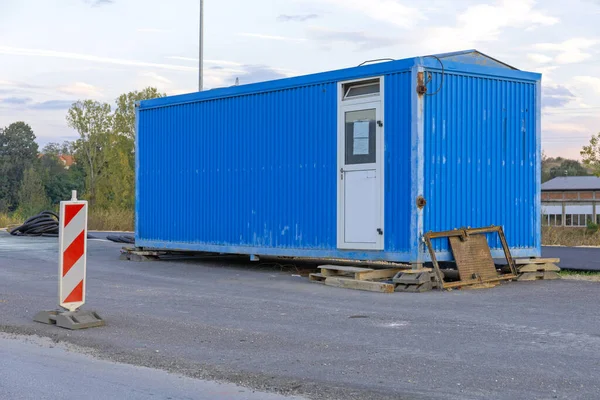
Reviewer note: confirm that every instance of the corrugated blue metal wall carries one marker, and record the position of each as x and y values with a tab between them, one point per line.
398	176
481	157
259	171
254	170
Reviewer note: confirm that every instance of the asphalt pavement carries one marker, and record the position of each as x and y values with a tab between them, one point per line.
40	369
575	258
266	328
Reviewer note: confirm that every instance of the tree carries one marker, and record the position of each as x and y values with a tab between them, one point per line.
51	149
93	122
591	154
118	186
568	168
59	181
545	169
125	112
32	194
18	152
105	149
67	148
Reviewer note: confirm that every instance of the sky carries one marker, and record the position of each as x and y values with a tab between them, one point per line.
55	52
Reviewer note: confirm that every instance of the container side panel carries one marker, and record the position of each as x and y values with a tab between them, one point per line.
481	155
397	161
256	170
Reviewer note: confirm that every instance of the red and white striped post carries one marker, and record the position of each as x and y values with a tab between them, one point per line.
72	253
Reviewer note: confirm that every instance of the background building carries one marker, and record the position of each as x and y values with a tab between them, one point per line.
571	201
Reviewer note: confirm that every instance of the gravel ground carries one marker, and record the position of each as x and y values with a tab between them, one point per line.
226	320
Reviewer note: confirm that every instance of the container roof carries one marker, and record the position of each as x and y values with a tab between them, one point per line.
474	57
461	62
572	183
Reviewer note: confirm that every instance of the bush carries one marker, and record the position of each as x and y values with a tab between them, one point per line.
7	220
592	227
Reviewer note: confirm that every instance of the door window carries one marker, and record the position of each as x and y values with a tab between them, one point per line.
361	131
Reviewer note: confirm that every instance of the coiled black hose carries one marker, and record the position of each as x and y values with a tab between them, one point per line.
121	239
42	224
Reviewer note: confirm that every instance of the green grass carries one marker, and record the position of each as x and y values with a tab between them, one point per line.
584	273
592	276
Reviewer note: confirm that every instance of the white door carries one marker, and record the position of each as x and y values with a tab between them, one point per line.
360	178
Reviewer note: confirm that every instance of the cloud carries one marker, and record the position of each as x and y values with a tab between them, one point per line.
156	77
590	81
152	30
98	3
26	103
362	40
81	89
259	73
485	23
557	90
296	18
272	37
570	51
192	59
565	127
16	100
389	11
556	96
21	85
539	58
52	105
16	51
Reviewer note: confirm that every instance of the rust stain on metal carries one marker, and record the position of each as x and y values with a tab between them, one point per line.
421	202
421	88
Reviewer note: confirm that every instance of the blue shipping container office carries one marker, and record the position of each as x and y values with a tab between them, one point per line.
355	163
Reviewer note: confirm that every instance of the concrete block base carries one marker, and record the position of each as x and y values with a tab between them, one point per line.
70	319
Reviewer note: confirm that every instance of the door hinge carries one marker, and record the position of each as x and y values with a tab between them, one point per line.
380	124
380	231
342	173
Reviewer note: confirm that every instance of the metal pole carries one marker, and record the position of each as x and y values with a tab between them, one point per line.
201	48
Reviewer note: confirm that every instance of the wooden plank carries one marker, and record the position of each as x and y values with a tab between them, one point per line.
343	268
551	275
521	261
316	277
539	267
417	271
477	281
530	276
377	274
359	285
487	285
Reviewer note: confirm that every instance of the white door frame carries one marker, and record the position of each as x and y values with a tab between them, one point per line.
360	103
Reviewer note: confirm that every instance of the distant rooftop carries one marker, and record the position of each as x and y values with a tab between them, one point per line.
572	183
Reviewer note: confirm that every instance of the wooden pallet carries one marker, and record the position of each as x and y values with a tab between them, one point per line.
356	277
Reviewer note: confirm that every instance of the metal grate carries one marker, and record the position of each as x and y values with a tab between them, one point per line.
473	257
